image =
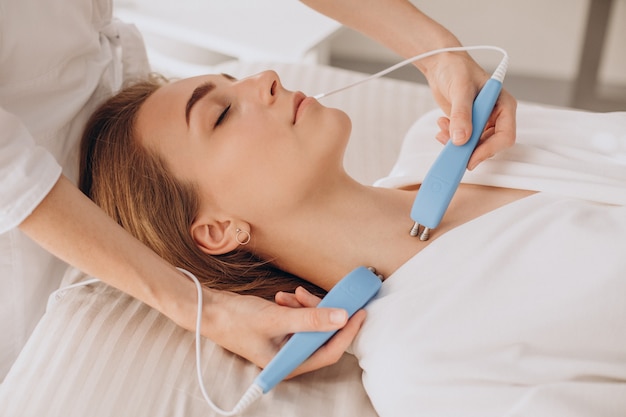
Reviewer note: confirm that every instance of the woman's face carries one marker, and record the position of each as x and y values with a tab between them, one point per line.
250	145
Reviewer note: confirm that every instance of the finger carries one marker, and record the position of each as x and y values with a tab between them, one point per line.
461	101
487	146
305	298
301	298
443	123
287	299
503	135
443	136
487	133
334	349
310	319
487	149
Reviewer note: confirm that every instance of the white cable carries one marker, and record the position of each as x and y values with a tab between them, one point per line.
56	296
499	73
253	393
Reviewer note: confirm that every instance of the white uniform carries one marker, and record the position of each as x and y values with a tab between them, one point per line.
58	59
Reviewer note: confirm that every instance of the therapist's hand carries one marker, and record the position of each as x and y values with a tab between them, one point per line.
337	345
256	329
455	79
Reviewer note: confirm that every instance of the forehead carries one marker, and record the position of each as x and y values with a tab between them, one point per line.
163	112
178	91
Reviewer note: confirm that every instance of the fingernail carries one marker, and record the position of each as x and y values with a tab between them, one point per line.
338	317
458	136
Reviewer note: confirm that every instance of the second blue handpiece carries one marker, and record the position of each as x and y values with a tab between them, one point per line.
351	294
445	174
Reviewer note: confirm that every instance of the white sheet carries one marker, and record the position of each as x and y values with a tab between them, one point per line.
520	312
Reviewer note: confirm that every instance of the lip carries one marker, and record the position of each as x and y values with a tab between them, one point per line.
298	99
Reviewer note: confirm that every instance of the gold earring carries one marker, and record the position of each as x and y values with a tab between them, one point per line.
247	238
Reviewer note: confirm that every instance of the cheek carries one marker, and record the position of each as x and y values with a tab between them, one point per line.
242	170
261	168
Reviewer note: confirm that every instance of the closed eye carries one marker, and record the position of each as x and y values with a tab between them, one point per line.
222	116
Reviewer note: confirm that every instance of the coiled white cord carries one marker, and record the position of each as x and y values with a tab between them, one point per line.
498	73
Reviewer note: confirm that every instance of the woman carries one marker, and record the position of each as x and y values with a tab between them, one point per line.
57	62
211	170
240	181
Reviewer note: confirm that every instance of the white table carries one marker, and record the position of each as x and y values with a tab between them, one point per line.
253	30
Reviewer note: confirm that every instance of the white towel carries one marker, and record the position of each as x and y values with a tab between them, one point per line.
562	151
519	312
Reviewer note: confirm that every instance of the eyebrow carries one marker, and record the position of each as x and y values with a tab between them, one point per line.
201	91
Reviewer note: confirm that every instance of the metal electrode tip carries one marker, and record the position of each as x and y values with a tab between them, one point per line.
373	271
415	230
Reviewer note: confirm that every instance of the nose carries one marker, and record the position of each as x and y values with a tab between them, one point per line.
268	86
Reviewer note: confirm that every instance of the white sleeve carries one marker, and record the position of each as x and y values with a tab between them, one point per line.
27	172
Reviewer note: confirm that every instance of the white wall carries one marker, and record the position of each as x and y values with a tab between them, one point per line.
543	38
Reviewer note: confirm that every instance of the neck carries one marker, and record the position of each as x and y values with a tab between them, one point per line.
349	225
341	228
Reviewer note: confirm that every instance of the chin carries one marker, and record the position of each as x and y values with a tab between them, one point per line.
343	122
339	135
334	127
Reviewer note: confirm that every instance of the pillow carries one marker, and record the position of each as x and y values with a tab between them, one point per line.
99	352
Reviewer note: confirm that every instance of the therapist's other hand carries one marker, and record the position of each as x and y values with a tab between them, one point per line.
256	329
455	79
332	350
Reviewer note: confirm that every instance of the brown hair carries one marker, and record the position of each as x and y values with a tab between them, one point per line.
133	186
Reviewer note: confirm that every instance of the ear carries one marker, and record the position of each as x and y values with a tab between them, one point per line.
214	237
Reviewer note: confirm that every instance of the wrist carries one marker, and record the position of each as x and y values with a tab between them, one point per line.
441	38
217	315
177	298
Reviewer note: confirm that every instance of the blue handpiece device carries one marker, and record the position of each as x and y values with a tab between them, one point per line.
351	294
445	174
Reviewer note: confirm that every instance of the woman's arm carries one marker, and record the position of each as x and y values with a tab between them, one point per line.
455	78
73	228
